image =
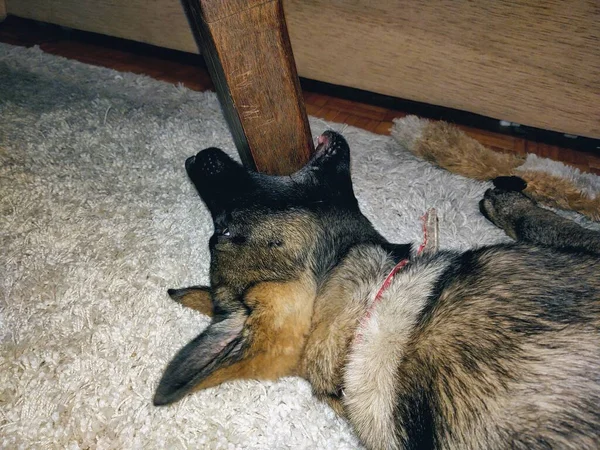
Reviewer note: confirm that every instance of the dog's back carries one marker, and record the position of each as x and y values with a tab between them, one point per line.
508	352
492	348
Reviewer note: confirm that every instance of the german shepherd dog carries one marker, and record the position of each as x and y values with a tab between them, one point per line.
493	348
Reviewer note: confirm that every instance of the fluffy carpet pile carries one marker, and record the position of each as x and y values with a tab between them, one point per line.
98	219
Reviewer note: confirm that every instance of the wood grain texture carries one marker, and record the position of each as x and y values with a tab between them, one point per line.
534	62
249	55
158	22
216	10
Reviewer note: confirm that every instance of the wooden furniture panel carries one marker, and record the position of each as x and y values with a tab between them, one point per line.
158	22
535	62
180	69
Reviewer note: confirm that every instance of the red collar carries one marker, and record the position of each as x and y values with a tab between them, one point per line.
386	284
429	220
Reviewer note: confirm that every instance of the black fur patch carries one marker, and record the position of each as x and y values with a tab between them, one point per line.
461	266
397	251
415	413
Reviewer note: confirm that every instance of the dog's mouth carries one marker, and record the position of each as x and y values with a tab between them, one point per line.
322	142
218	176
330	146
330	141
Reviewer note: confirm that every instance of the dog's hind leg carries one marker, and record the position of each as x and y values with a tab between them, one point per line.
523	220
195	297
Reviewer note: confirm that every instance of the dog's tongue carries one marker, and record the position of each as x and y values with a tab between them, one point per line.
322	141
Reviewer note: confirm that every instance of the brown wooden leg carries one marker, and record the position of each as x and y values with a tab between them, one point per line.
248	52
2	10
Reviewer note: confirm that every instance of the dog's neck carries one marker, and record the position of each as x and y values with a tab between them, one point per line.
344	305
342	302
377	298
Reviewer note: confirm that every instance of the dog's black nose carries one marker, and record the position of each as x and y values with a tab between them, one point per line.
218	178
211	161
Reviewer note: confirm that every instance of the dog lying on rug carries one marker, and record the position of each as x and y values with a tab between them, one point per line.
491	348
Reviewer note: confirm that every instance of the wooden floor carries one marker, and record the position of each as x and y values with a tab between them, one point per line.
177	67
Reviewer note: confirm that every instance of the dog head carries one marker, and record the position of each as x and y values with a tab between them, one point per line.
274	240
264	226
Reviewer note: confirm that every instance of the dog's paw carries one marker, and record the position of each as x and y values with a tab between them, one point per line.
503	207
510	183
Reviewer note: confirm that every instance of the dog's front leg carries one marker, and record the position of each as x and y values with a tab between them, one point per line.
523	220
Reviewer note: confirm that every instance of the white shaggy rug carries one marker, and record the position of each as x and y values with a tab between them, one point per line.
98	219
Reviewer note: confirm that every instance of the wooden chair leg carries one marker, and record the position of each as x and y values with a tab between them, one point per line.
3	11
248	53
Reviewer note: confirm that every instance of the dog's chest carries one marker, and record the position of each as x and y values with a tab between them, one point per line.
339	307
370	385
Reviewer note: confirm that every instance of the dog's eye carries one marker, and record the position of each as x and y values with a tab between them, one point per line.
225	232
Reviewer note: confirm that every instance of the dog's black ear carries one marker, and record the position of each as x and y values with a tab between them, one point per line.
510	183
218	178
220	345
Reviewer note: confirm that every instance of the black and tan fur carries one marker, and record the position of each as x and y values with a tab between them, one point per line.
497	347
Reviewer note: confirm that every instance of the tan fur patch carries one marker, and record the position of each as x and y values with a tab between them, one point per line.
558	192
338	308
450	148
277	329
200	300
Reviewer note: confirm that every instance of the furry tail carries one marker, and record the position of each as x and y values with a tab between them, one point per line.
450	148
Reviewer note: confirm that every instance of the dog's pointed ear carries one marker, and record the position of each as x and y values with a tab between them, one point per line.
263	340
219	179
220	345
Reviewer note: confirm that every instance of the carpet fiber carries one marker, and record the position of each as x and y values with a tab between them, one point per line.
98	219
